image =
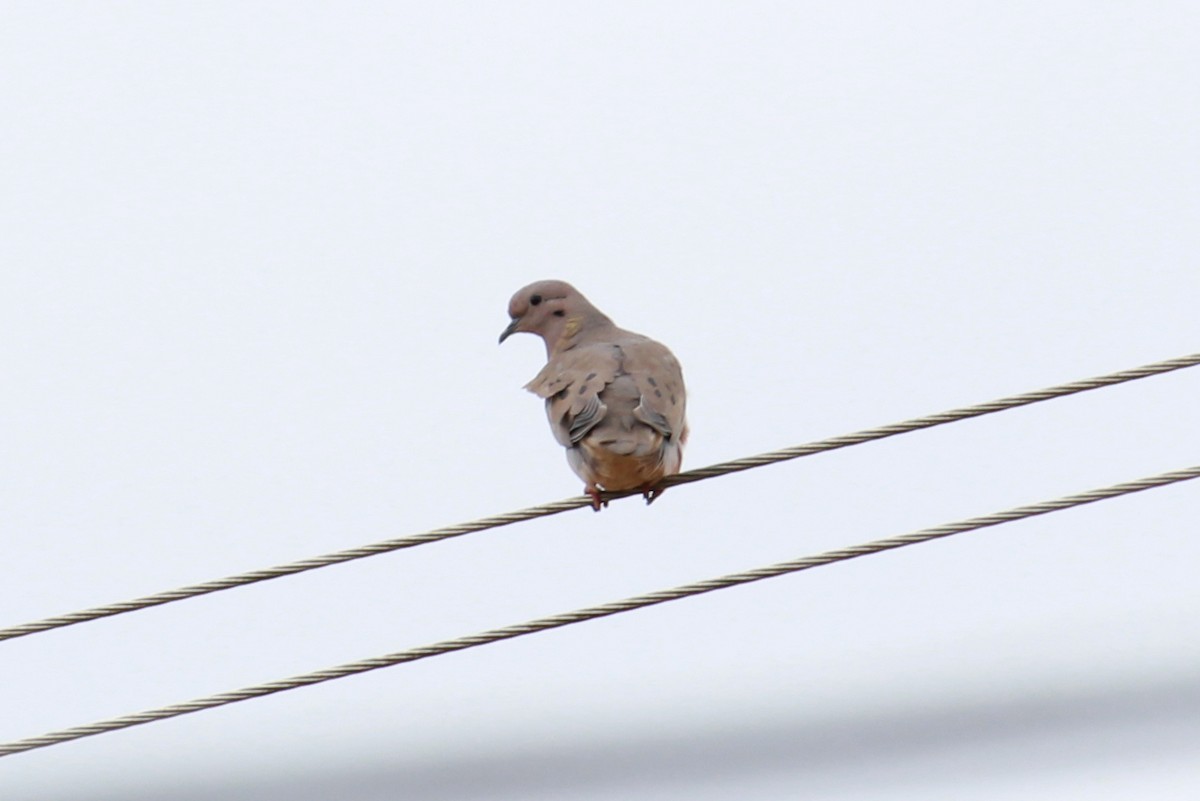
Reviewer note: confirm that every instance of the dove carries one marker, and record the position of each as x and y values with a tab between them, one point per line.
615	399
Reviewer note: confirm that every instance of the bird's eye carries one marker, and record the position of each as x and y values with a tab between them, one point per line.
535	300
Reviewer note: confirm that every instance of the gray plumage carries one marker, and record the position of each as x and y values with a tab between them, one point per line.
615	399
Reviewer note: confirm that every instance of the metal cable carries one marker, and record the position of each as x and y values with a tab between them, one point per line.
594	612
928	421
544	510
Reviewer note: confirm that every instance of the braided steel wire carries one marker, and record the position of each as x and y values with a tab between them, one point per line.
556	507
599	611
929	421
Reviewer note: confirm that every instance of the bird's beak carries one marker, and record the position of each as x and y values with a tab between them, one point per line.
512	329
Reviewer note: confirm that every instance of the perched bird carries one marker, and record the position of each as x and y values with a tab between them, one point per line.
615	399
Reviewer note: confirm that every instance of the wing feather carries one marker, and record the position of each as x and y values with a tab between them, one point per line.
571	383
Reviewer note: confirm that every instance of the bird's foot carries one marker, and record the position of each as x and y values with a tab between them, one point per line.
651	492
597	499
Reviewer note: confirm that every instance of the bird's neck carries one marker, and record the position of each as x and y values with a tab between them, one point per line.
578	328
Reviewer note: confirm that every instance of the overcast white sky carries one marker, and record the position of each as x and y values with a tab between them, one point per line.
253	263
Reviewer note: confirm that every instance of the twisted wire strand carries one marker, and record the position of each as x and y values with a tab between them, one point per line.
931	420
556	507
599	611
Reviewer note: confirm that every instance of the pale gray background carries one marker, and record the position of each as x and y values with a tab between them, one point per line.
253	263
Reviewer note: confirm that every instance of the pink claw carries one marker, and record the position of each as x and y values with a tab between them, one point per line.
597	501
651	493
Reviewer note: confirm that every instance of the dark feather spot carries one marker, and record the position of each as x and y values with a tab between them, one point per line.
559	313
658	393
582	388
562	393
672	399
590	376
653	383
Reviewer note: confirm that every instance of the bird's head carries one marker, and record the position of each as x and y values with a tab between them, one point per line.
554	310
